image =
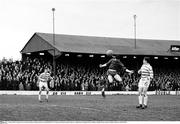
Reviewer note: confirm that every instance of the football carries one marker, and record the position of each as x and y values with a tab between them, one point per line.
109	52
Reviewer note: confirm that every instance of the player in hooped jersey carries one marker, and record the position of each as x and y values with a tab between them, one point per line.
146	72
43	83
114	66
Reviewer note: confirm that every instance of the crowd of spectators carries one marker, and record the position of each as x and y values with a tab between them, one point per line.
23	75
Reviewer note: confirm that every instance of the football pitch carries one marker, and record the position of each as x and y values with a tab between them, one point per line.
88	108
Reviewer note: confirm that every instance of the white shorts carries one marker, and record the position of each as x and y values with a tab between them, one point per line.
144	82
43	84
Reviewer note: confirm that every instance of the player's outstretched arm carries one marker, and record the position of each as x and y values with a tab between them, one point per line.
106	64
129	71
102	65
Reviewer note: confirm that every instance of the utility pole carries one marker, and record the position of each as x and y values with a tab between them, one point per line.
134	16
54	61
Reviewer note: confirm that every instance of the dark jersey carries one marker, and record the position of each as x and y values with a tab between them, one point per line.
116	64
102	82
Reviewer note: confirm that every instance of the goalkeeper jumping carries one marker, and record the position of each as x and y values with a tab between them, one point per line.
114	67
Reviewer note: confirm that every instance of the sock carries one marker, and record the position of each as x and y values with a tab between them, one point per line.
140	99
47	95
39	97
145	100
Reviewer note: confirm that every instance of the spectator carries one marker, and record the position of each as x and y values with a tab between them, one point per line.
83	86
127	87
21	87
73	76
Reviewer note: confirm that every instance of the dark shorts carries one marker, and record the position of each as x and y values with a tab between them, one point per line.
113	73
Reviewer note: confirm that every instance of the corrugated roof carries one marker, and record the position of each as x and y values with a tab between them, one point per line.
98	45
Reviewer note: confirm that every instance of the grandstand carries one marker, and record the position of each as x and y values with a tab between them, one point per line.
77	82
78	58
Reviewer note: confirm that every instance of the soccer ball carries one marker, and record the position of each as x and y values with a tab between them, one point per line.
109	52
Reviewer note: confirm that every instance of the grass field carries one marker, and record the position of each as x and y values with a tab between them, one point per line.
88	108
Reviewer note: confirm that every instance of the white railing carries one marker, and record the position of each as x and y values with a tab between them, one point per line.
81	92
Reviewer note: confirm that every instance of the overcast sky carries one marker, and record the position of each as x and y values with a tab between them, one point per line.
20	19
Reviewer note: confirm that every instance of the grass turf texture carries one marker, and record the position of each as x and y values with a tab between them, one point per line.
88	108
